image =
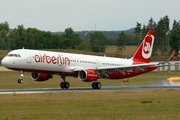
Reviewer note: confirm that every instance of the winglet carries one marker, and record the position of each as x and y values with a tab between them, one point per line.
179	55
170	58
172	55
144	52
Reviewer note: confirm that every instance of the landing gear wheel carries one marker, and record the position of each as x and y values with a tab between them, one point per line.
96	85
67	85
64	85
20	81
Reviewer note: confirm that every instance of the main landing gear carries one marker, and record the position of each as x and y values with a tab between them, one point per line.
20	81
96	85
64	85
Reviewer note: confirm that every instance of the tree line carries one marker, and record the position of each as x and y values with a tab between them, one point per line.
166	39
32	38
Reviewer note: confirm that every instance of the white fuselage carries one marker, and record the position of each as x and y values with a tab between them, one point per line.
57	62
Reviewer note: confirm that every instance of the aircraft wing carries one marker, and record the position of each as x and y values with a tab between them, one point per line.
131	67
122	68
170	58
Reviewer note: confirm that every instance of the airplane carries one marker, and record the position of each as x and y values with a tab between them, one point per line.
88	68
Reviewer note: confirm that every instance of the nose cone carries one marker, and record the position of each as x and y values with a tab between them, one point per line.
5	62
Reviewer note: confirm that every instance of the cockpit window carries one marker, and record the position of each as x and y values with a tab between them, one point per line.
18	55
13	55
10	55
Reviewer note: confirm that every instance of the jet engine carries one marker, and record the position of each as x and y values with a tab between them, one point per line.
40	76
88	75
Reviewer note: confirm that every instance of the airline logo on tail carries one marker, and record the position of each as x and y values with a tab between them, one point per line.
143	53
147	46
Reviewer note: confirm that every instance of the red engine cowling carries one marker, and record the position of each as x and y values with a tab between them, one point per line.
88	75
40	76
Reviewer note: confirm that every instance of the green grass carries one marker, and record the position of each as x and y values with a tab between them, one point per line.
118	105
3	53
121	105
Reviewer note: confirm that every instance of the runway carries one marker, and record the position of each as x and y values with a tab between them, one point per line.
86	89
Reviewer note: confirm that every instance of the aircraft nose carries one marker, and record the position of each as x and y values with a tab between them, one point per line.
4	62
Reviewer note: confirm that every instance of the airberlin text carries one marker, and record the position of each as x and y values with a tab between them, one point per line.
58	59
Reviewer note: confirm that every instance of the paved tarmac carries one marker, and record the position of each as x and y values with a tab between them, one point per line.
2	68
86	89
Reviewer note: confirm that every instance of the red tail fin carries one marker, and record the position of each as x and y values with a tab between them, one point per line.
143	54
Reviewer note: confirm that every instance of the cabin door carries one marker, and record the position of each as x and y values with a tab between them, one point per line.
98	63
28	55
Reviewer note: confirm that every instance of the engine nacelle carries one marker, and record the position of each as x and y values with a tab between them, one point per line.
40	76
88	75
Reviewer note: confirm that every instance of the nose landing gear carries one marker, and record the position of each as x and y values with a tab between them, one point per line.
20	81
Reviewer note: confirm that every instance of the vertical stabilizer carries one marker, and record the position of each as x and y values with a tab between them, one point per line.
144	52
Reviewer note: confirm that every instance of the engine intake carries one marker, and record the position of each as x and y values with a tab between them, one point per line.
88	75
40	76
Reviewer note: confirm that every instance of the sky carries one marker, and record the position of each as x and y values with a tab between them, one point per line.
80	15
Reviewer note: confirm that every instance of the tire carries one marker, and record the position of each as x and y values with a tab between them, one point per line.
98	85
20	81
94	85
67	85
62	85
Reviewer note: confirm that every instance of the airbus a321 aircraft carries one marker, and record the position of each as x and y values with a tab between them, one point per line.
44	64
